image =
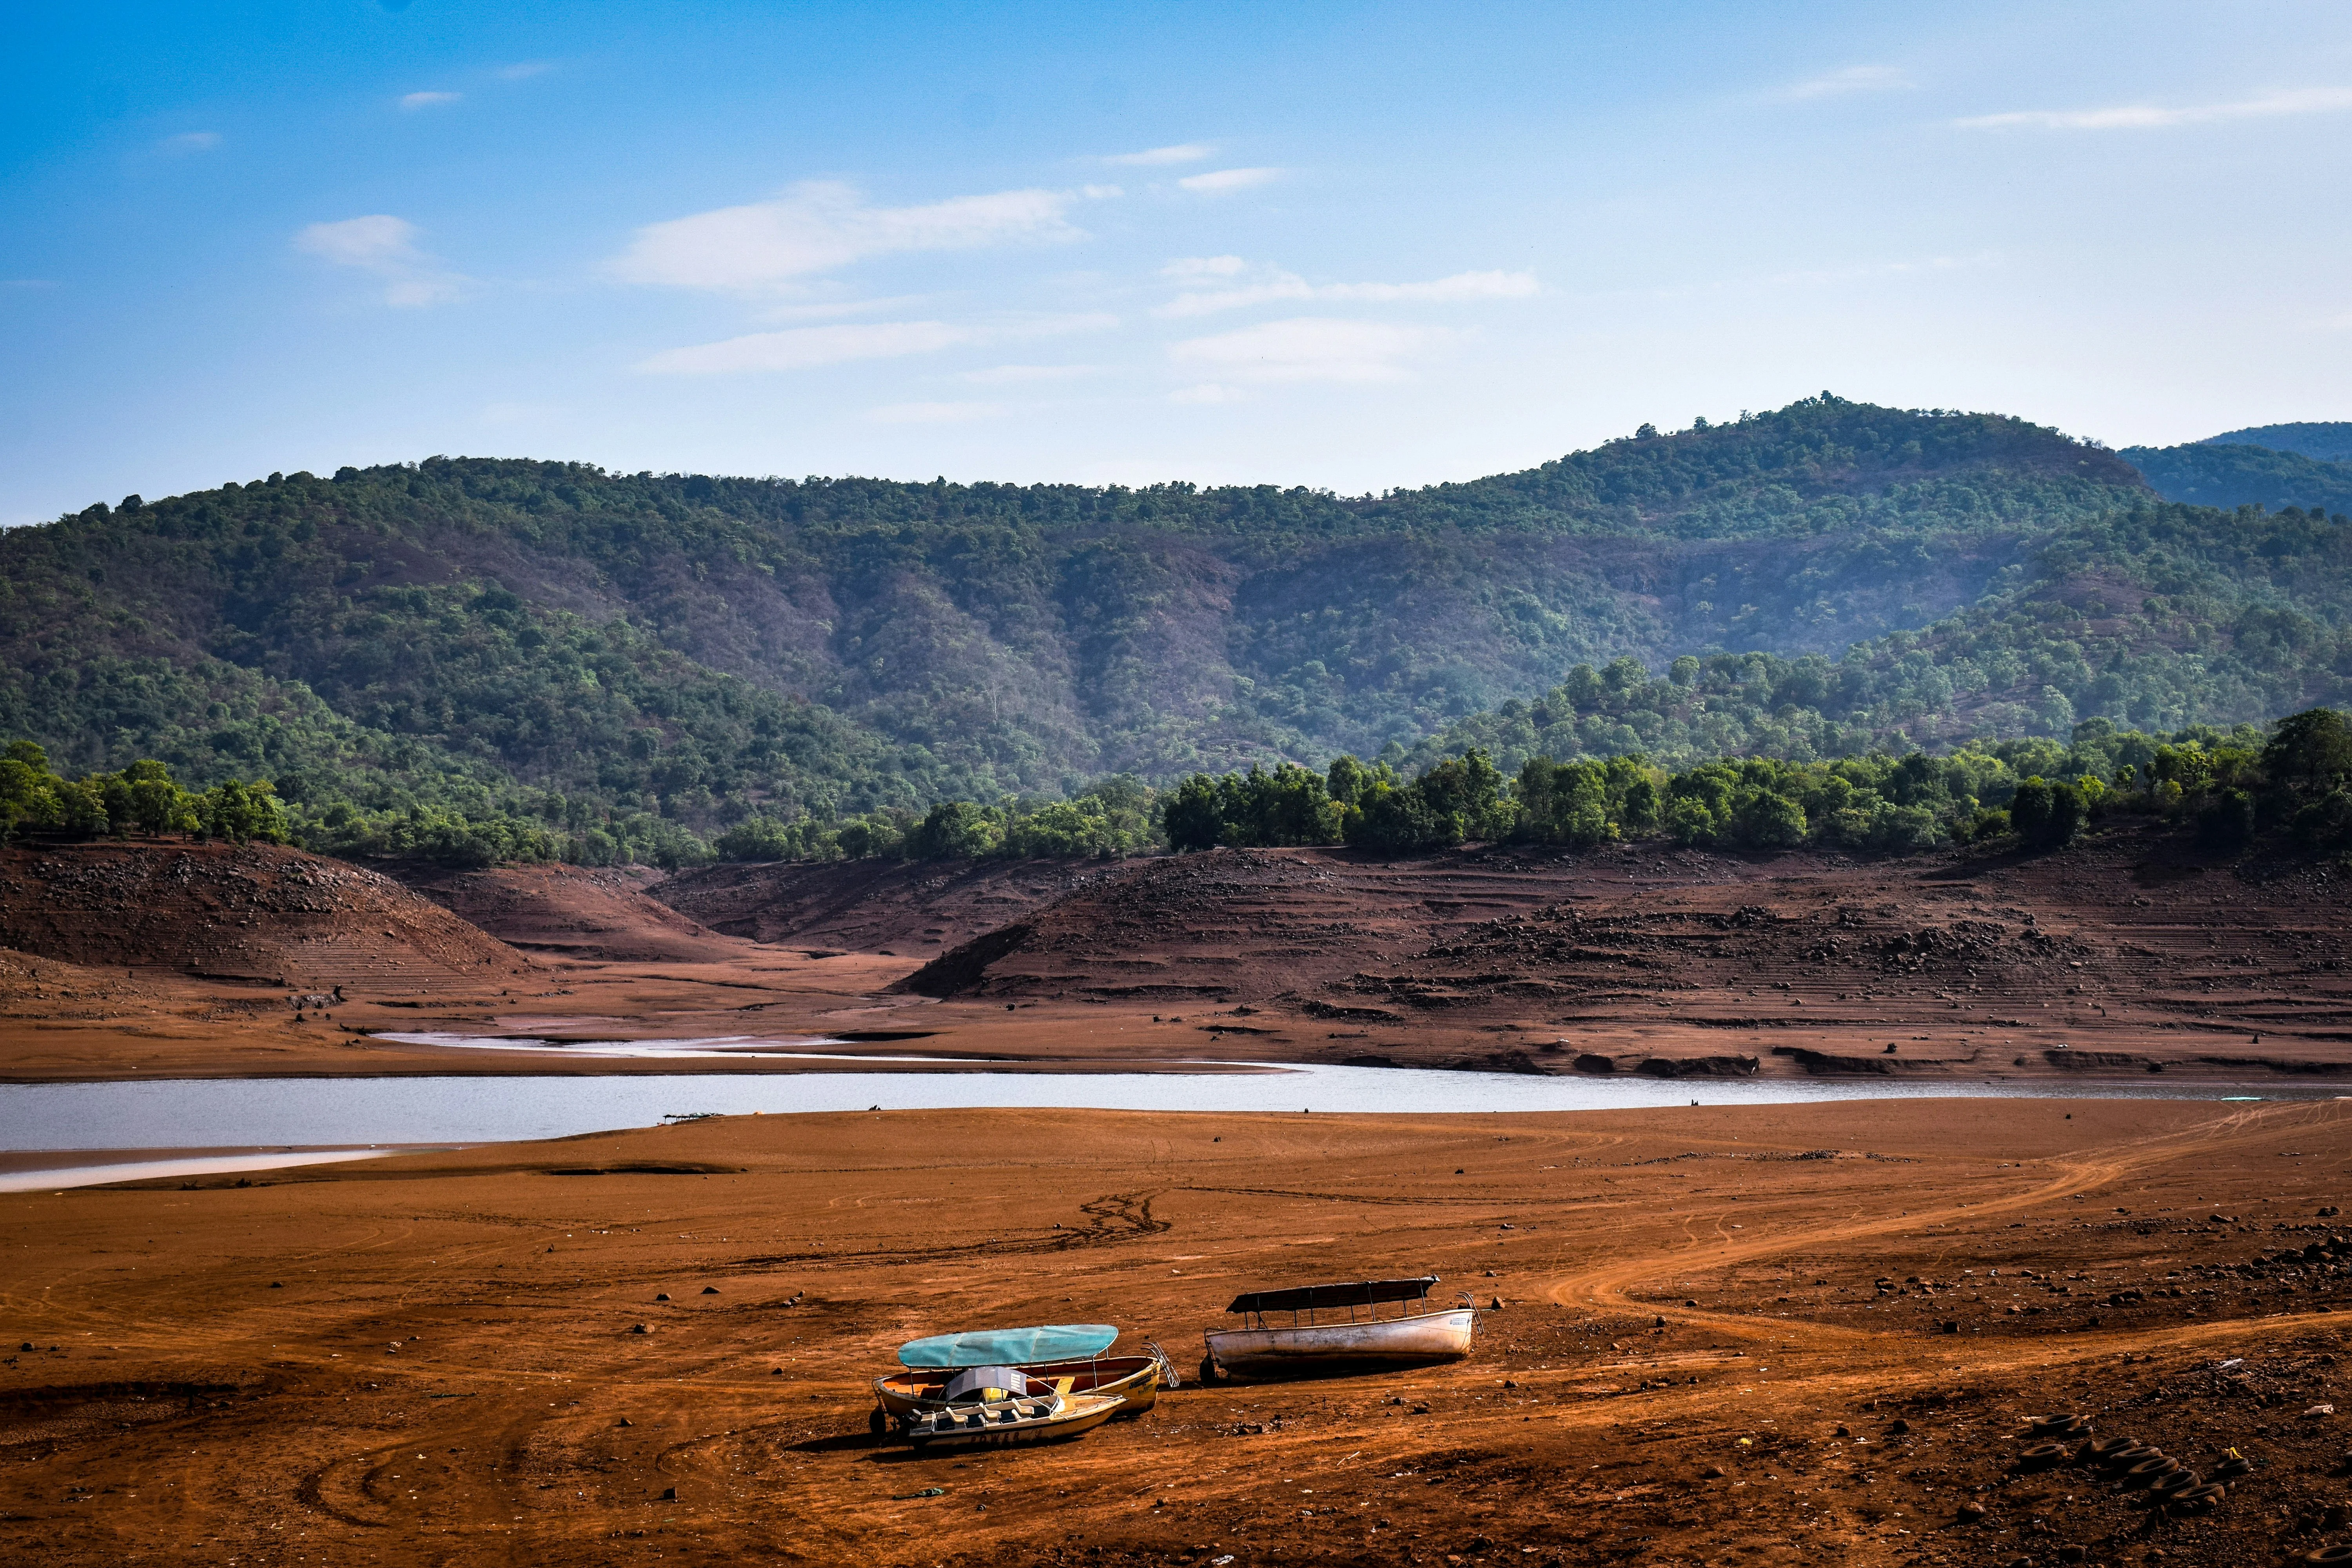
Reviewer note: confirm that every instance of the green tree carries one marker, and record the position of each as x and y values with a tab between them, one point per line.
1191	817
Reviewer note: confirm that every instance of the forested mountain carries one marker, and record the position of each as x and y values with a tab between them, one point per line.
2329	440
633	662
2211	473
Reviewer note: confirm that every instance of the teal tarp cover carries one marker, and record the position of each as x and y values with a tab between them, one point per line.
1010	1347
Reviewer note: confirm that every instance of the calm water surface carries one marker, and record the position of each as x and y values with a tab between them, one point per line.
244	1113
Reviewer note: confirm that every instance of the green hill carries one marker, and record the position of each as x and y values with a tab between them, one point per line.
2231	474
633	662
2329	440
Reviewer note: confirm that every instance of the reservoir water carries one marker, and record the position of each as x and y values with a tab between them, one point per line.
317	1113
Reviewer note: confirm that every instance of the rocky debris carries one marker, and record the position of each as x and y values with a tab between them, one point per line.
258	913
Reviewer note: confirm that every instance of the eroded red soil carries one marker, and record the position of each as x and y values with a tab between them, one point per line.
1721	1340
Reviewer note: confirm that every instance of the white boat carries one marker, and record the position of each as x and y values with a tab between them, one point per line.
1315	1329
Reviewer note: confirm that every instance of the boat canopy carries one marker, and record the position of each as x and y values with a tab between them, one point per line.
1315	1298
987	1380
1010	1347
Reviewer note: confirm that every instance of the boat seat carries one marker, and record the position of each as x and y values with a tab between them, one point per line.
1061	1386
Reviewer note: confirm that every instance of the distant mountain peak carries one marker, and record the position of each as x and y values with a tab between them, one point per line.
2328	440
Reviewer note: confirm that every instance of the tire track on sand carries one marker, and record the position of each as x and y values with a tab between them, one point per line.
1610	1287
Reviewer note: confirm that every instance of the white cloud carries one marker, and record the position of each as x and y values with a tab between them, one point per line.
805	348
1156	157
2147	117
1208	393
826	309
386	246
522	70
1219	181
1272	283
1199	269
1025	375
191	141
934	413
821	226
427	99
1309	348
1853	79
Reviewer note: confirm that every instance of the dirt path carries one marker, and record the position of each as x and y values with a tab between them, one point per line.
433	1358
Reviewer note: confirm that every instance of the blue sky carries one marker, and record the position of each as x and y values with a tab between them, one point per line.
1355	247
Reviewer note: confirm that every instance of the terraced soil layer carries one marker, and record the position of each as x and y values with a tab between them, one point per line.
1708	1336
903	910
252	912
598	916
2126	955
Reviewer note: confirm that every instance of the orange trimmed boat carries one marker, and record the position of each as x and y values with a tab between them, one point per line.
1064	1357
998	1406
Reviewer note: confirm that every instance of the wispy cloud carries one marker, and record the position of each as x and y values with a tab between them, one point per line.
1310	348
1853	79
522	70
1029	374
822	225
1244	285
935	412
1223	181
831	310
191	141
1159	157
2149	116
414	100
385	246
806	348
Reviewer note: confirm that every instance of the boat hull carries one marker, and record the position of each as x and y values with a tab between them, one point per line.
1078	1415
1134	1380
1387	1342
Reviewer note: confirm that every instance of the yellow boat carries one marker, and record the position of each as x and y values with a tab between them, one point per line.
1134	1380
998	1406
1065	1356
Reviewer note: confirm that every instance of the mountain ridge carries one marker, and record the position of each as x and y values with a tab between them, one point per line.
637	660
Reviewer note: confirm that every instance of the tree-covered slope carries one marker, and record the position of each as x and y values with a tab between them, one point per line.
2248	474
2157	616
2329	440
647	655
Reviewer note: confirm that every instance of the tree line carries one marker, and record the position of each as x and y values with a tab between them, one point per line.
2291	783
142	798
2231	787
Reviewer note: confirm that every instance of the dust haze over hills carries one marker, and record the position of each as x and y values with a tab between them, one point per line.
636	660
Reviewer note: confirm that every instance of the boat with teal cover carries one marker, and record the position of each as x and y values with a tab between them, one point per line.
1062	1360
1009	1347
